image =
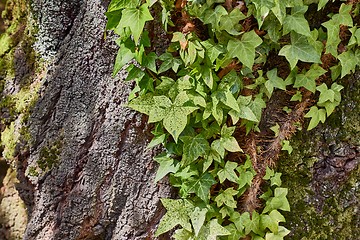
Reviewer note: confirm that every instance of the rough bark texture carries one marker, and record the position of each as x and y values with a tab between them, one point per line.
103	186
98	177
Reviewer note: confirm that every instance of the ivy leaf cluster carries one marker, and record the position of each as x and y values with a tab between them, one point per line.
209	88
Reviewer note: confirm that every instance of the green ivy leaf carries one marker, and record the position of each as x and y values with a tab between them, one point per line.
124	56
169	62
279	201
325	94
228	172
276	180
269	173
286	146
282	232
244	50
176	116
213	16
299	49
272	220
226	198
201	186
316	116
194	147
198	219
229	22
135	18
215	230
166	165
308	80
252	224
178	212
297	22
182	234
121	4
322	4
274	81
348	62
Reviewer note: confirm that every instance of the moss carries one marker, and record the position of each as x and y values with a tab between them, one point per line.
325	206
9	139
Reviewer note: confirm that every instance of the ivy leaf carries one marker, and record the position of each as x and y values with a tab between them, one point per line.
333	38
272	220
135	19
234	233
201	186
325	94
169	62
226	198
348	62
182	234
228	172
308	80
282	232
176	117
276	180
297	22
229	22
216	230
228	141
322	4
269	173
166	165
213	50
279	201
143	103
286	146
316	116
194	147
149	61
198	218
124	56
299	49
274	81
121	4
178	212
252	224
212	16
344	16
244	50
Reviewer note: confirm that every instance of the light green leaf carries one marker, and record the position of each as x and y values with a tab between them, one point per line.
316	116
322	4
182	234
276	180
135	18
216	230
213	16
166	165
325	94
269	173
275	129
244	50
194	147
213	50
297	96
178	212
308	80
286	146
297	22
143	103
282	232
169	62
229	22
198	218
299	49
272	220
226	198
176	116
201	186
228	172
333	39
348	62
279	201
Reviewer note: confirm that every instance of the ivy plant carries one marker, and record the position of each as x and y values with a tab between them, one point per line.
205	93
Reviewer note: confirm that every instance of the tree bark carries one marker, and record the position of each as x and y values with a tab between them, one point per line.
98	181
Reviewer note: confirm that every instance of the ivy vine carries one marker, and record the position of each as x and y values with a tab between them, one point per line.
207	92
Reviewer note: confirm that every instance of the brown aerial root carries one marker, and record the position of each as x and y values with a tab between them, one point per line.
264	149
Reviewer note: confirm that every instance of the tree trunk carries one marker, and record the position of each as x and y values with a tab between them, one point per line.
80	156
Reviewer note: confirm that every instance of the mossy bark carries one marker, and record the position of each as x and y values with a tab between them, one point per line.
99	184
